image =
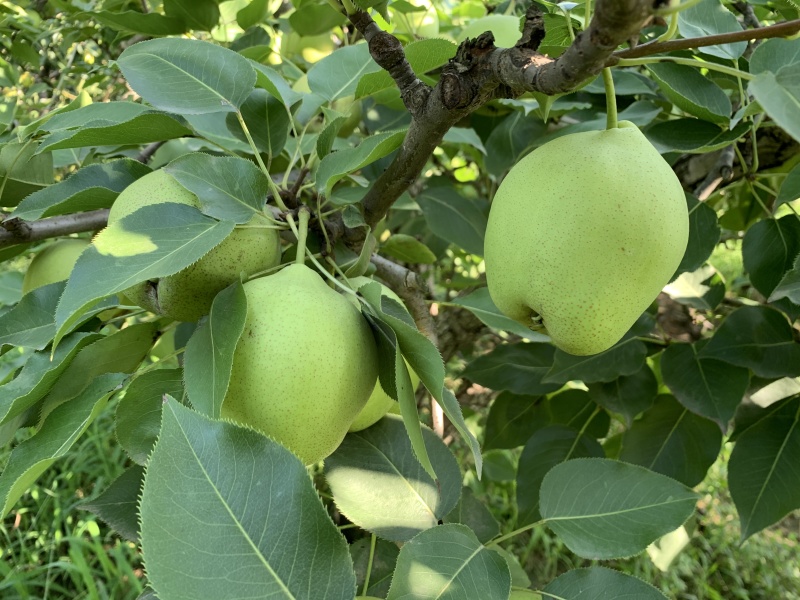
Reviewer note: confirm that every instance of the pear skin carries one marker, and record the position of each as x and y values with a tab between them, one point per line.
583	234
305	365
188	294
52	264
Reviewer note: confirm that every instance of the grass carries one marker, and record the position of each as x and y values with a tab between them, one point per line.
50	549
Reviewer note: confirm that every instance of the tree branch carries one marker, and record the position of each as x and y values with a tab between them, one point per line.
16	231
779	30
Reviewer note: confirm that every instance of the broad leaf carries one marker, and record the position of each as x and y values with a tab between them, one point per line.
155	241
60	430
407	249
764	470
576	409
704	232
769	249
455	218
118	504
197	14
384	559
628	396
379	485
547	448
625	358
779	95
519	368
789	286
480	304
32	322
758	338
138	415
209	353
151	23
692	92
267	121
632	507
669	439
228	188
23	171
692	135
449	563
710	17
473	513
90	188
706	386
600	583
337	75
513	419
188	76
209	481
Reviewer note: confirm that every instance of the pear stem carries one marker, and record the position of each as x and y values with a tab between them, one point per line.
273	188
369	565
301	232
611	99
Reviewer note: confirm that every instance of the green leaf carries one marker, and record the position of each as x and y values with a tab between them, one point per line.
474	514
480	304
706	386
704	232
253	13
710	17
424	359
670	440
336	166
548	447
89	188
769	250
519	368
422	55
449	563
692	92
155	241
790	188
10	289
631	508
779	95
576	409
773	55
383	563
60	430
315	19
337	75
209	481
455	218
31	323
209	353
200	15
120	352
267	120
8	110
789	286
702	289
110	123
510	139
625	358
628	395
596	583
228	188
270	80
23	171
408	249
143	23
763	471
758	338
519	578
38	376
513	419
379	485
117	505
188	76
692	136
138	415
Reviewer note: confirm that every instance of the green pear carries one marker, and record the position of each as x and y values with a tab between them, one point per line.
311	48
379	402
583	234
188	294
505	28
52	264
304	366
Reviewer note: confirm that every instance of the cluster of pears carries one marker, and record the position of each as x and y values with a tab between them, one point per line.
583	234
306	394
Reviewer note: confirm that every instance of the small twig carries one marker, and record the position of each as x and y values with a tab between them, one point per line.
148	152
778	30
23	232
412	290
721	171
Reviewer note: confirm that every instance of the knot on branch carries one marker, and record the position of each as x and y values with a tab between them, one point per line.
533	31
455	92
386	50
16	227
